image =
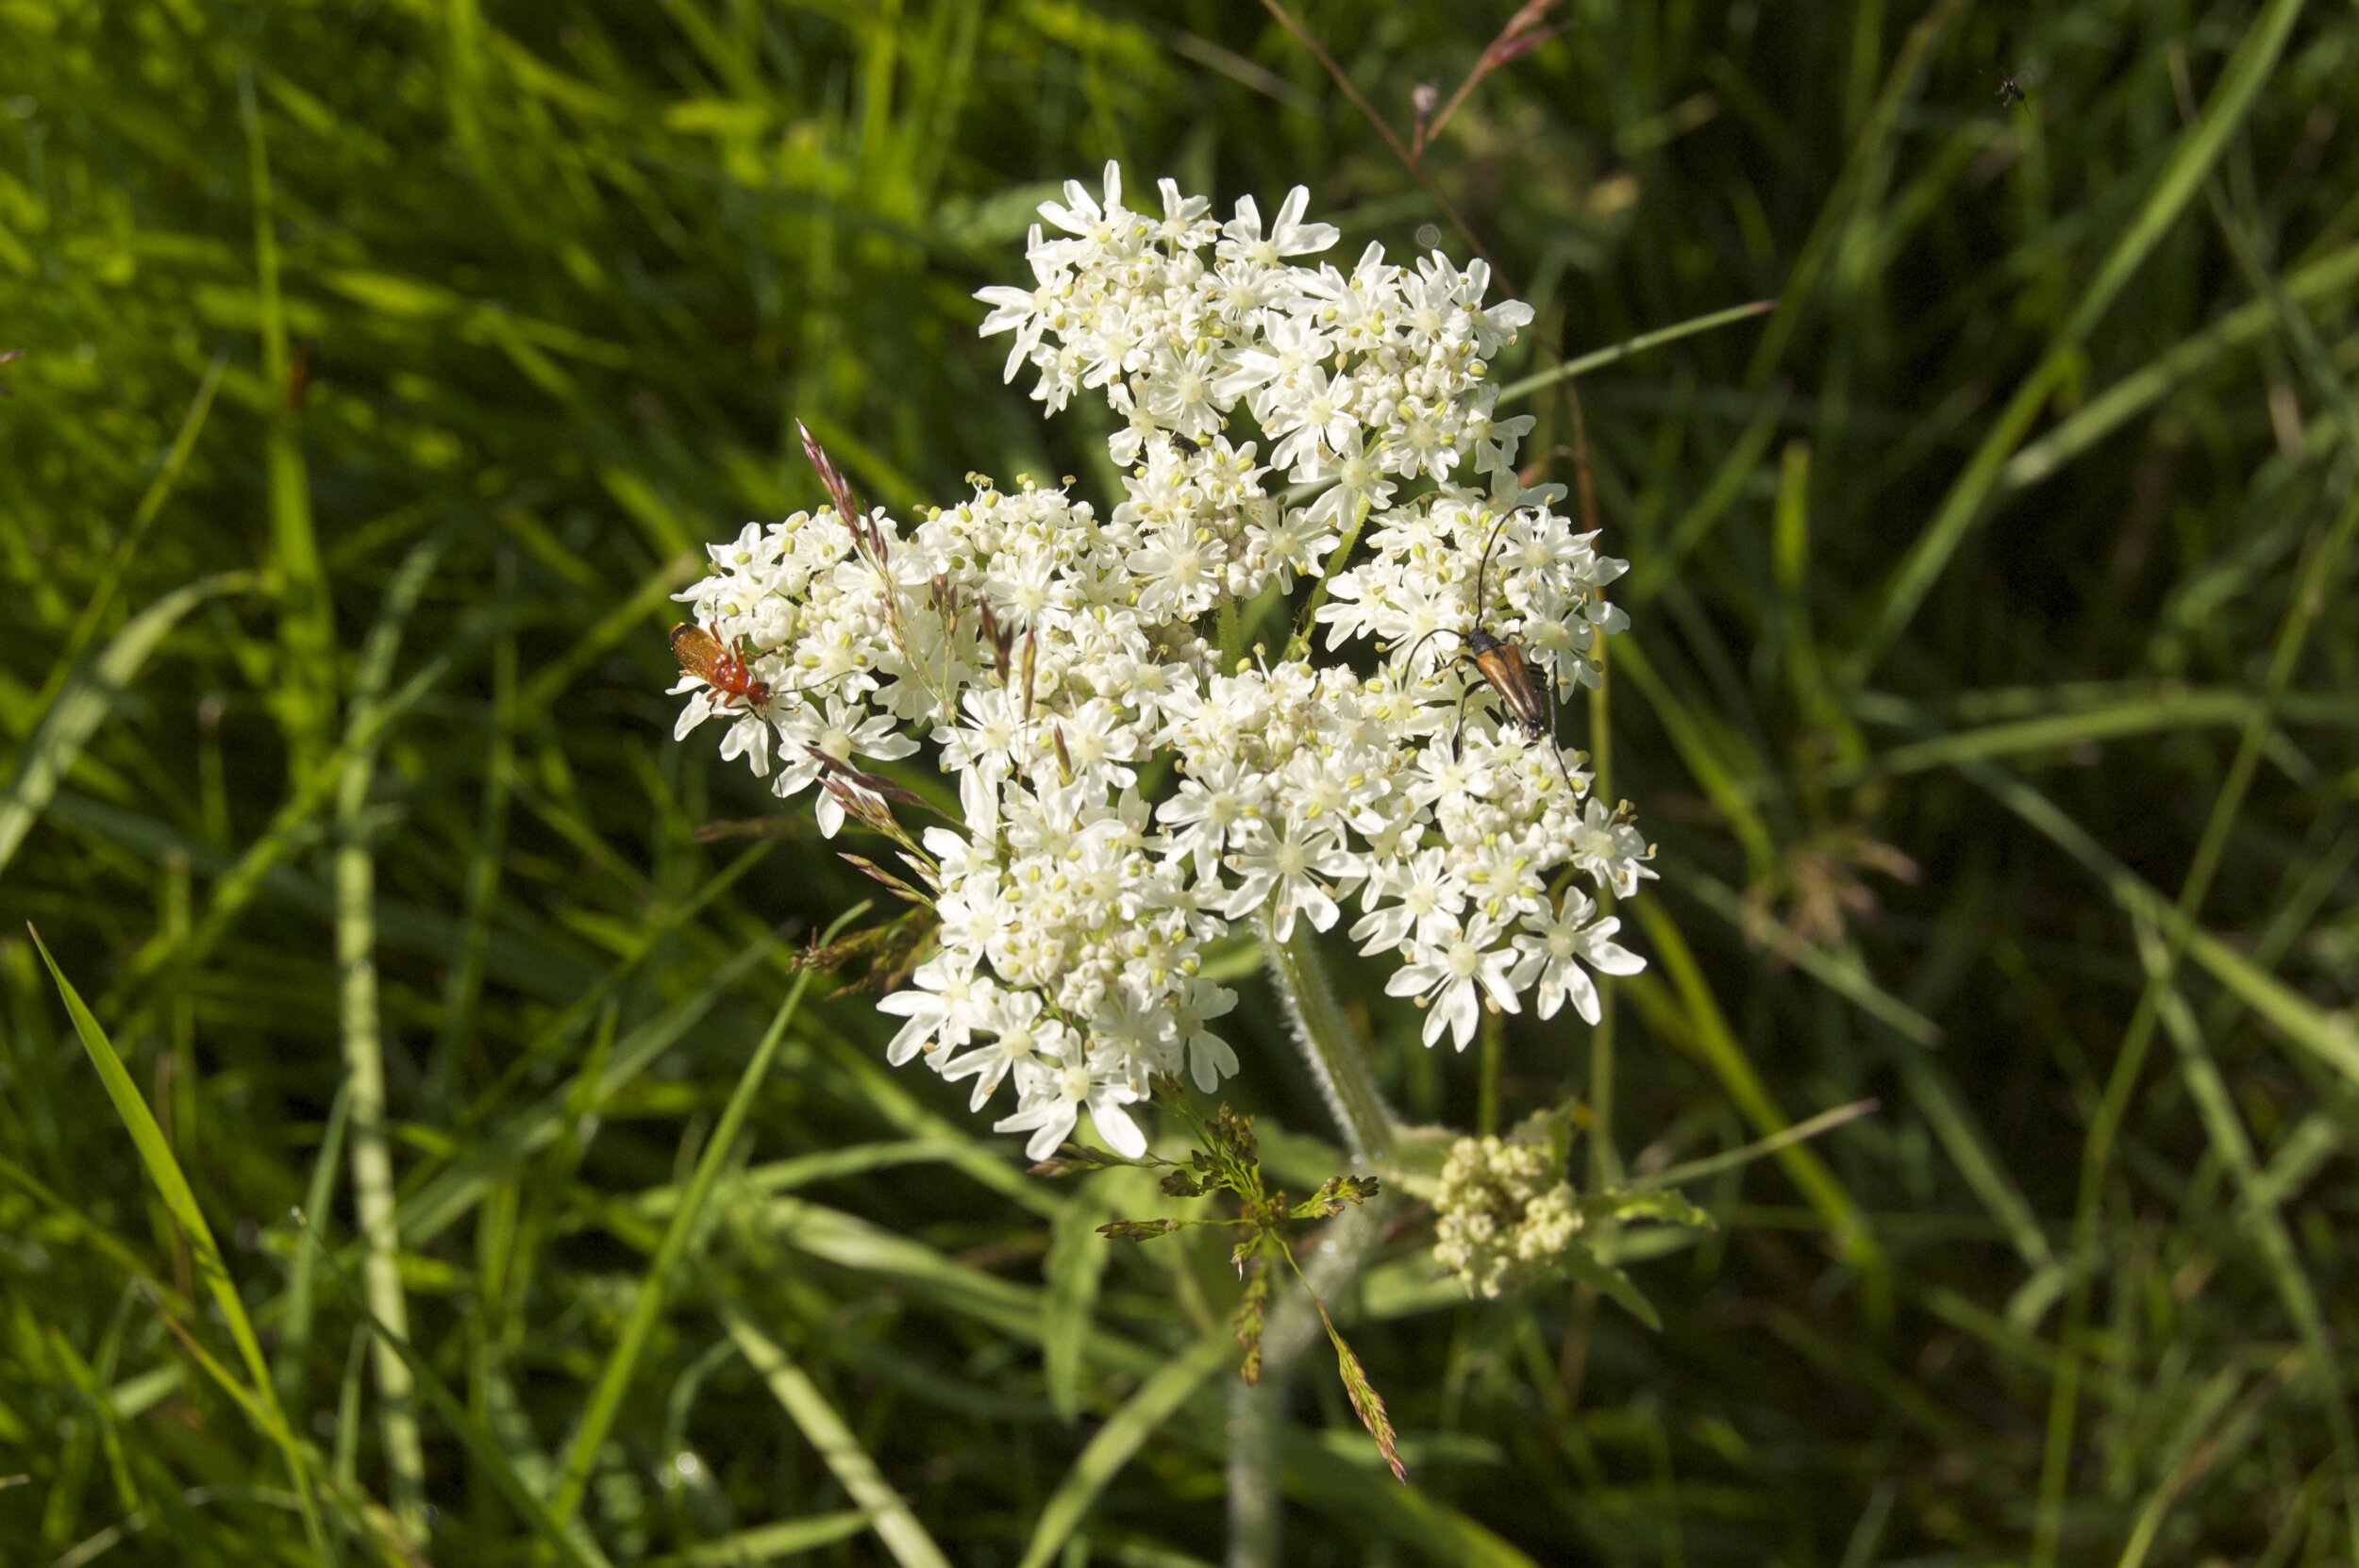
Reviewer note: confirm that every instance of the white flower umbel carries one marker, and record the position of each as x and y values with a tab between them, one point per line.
1124	796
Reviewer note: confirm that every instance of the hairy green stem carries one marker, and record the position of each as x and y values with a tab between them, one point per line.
1338	1061
1339	1064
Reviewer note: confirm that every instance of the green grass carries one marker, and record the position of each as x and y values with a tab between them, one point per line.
385	365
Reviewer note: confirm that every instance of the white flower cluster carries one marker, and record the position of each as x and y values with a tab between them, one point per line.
1503	1214
1124	792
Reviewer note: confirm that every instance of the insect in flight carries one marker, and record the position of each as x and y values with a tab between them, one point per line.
723	668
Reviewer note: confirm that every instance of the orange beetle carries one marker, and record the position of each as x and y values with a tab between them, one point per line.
723	668
1503	666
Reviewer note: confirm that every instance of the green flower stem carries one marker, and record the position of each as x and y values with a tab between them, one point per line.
1338	1061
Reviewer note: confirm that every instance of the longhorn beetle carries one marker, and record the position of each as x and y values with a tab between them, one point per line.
1504	667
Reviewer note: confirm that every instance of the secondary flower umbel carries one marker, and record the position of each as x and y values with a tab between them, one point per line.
1127	791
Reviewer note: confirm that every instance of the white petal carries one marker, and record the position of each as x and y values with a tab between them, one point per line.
1114	1126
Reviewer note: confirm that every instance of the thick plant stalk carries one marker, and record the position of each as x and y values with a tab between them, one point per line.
1339	1064
1338	1061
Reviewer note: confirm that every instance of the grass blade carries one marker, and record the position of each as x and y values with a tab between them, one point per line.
769	1542
1727	1058
305	690
1629	346
164	1171
574	1546
903	1537
83	704
2182	175
151	505
1696	1169
294	1338
363	1045
605	1400
2318	282
1118	1441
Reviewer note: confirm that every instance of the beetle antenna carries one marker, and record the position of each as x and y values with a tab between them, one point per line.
1482	573
1556	748
1409	658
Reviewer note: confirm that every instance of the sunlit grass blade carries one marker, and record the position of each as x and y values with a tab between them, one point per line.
164	1171
1839	971
362	1030
647	1303
769	1542
1116	1444
1930	1089
84	702
305	694
1800	1132
2050	732
2331	1037
904	1539
2109	410
1728	1060
1629	346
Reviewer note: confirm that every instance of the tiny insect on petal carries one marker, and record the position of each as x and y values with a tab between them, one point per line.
703	654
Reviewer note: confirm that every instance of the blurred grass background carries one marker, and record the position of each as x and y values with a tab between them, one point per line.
1993	695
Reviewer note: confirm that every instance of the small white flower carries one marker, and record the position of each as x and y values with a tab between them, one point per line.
1558	944
1288	236
1453	974
1282	869
1049	1113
